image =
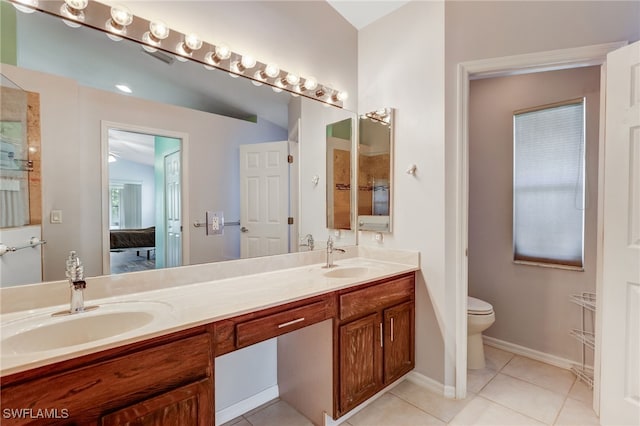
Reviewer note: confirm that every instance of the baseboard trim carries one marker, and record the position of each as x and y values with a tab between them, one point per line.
431	384
529	353
245	405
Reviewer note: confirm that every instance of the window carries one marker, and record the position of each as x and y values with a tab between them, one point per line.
125	207
549	184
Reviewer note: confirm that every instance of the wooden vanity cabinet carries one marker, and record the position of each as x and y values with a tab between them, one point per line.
376	339
167	381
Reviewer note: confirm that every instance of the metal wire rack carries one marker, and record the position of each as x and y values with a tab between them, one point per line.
585	335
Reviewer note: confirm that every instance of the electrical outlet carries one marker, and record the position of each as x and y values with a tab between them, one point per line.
215	223
378	237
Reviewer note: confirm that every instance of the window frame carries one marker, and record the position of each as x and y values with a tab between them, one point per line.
544	261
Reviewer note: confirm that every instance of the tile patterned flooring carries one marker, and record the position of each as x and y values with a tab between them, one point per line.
511	390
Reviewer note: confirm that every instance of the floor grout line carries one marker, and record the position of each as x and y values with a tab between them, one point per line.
471	396
423	410
555	420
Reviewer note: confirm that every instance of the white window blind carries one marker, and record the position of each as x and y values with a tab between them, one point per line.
549	184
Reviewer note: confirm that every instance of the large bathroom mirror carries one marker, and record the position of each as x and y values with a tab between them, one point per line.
86	123
375	158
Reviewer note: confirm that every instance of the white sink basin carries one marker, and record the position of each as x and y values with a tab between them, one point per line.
43	332
347	272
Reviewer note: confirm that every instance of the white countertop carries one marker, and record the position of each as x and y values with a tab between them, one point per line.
188	305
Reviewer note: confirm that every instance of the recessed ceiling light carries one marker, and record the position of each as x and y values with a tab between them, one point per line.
124	88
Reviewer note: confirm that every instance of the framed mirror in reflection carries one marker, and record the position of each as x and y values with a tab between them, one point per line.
375	157
339	148
86	121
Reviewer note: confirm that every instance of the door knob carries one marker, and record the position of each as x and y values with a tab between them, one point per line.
244	229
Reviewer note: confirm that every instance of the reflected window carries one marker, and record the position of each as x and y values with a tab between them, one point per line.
125	209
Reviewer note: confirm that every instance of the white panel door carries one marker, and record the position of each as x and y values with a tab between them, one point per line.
620	306
264	195
173	209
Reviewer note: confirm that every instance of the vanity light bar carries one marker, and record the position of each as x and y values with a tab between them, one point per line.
153	36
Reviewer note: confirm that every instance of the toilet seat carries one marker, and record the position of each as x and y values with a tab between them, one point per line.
478	307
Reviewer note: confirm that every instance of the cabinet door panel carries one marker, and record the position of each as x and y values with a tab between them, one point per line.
189	405
398	341
360	360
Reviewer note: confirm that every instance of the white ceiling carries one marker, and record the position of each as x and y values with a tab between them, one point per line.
361	13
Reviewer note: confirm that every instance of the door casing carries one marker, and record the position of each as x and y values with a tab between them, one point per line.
498	67
184	155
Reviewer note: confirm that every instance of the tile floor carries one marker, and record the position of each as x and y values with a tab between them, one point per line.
511	390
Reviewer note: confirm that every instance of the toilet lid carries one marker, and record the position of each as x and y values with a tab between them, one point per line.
477	306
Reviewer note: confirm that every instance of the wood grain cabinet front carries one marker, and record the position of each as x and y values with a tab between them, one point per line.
189	405
276	324
152	386
378	348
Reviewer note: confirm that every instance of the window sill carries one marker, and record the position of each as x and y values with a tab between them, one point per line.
550	265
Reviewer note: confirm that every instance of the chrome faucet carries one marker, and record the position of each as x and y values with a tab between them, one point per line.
330	250
75	274
308	242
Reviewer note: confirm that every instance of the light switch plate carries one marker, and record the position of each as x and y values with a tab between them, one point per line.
215	223
56	216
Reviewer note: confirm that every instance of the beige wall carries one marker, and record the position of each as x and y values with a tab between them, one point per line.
71	165
531	302
479	30
400	65
408	60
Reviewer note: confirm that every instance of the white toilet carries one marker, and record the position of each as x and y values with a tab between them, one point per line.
480	316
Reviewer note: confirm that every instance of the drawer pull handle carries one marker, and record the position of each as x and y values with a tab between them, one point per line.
286	324
381	336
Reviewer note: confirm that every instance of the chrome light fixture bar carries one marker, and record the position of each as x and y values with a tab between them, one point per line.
153	36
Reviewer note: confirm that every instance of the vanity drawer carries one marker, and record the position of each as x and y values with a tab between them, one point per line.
273	325
361	302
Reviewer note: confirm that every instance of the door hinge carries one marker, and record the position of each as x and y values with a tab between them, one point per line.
290	159
290	220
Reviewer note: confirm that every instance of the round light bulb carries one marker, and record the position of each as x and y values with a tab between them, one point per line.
26	6
257	76
292	79
77	4
72	10
310	83
272	70
233	67
342	96
192	41
248	61
121	15
223	52
159	30
210	58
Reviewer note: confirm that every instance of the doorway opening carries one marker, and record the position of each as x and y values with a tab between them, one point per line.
520	64
143	199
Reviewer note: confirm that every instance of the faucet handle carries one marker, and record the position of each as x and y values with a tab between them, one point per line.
75	270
